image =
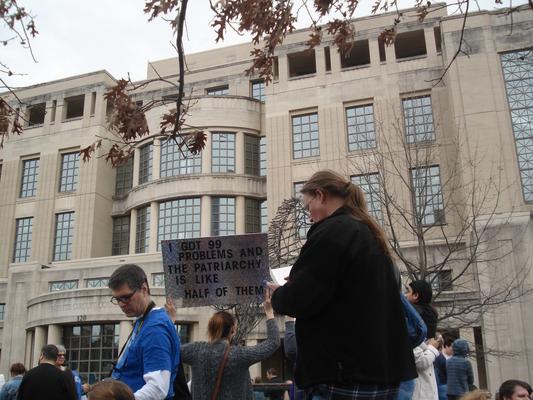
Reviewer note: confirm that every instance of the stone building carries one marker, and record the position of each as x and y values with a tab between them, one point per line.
68	224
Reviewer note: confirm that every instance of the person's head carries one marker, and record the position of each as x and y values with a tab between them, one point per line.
130	290
514	390
419	292
271	373
447	341
111	390
49	354
460	348
17	369
326	191
221	326
476	395
61	355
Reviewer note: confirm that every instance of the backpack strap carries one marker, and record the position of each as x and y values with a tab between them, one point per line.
219	373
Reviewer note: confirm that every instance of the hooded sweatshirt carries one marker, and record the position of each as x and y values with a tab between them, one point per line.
460	375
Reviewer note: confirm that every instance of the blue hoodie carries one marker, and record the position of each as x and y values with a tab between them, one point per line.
459	369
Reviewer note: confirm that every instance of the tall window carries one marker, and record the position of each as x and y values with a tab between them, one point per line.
223	152
253	216
176	161
518	75
158	280
217	91
124	179
179	219
2	311
429	204
58	286
263	155
222	216
360	126
305	136
441	280
145	163
370	185
97	283
63	237
69	172
30	173
258	90
92	349
142	238
252	156
121	235
23	232
264	216
418	119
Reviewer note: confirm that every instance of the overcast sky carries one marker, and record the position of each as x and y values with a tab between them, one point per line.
80	36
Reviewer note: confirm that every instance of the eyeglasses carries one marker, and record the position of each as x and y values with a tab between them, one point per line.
61	355
306	205
122	299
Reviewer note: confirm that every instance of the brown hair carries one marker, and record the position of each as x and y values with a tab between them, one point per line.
476	395
111	390
220	325
17	369
336	185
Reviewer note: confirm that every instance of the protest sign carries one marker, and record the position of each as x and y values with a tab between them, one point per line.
216	270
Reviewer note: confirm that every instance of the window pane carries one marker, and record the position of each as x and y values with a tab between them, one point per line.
23	233
145	163
370	185
258	90
222	216
253	216
305	136
418	119
121	235
142	239
124	179
179	219
518	74
30	173
176	161
63	236
223	152
69	172
252	155
429	207
360	127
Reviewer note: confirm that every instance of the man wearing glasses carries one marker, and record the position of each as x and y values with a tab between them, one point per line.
149	360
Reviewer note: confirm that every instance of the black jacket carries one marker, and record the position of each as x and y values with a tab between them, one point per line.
350	323
47	382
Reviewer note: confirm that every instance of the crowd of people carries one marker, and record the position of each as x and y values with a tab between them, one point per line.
348	330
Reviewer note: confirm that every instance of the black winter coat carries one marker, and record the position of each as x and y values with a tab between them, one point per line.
350	323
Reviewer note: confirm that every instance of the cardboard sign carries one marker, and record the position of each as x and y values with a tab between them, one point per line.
220	270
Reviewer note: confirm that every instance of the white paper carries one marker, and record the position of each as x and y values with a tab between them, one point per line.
279	274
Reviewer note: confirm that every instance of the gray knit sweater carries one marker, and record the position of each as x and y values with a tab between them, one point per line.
205	358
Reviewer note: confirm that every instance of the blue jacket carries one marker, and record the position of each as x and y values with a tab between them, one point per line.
459	369
440	369
153	346
10	389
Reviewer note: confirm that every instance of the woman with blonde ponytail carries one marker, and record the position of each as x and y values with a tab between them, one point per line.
351	335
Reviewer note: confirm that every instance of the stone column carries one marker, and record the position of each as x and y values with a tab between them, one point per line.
39	340
205	216
390	53
240	217
28	349
136	165
124	332
154	220
156	159
431	46
239	153
373	48
55	334
206	155
133	230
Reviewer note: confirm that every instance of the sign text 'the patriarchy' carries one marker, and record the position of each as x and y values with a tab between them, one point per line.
216	270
